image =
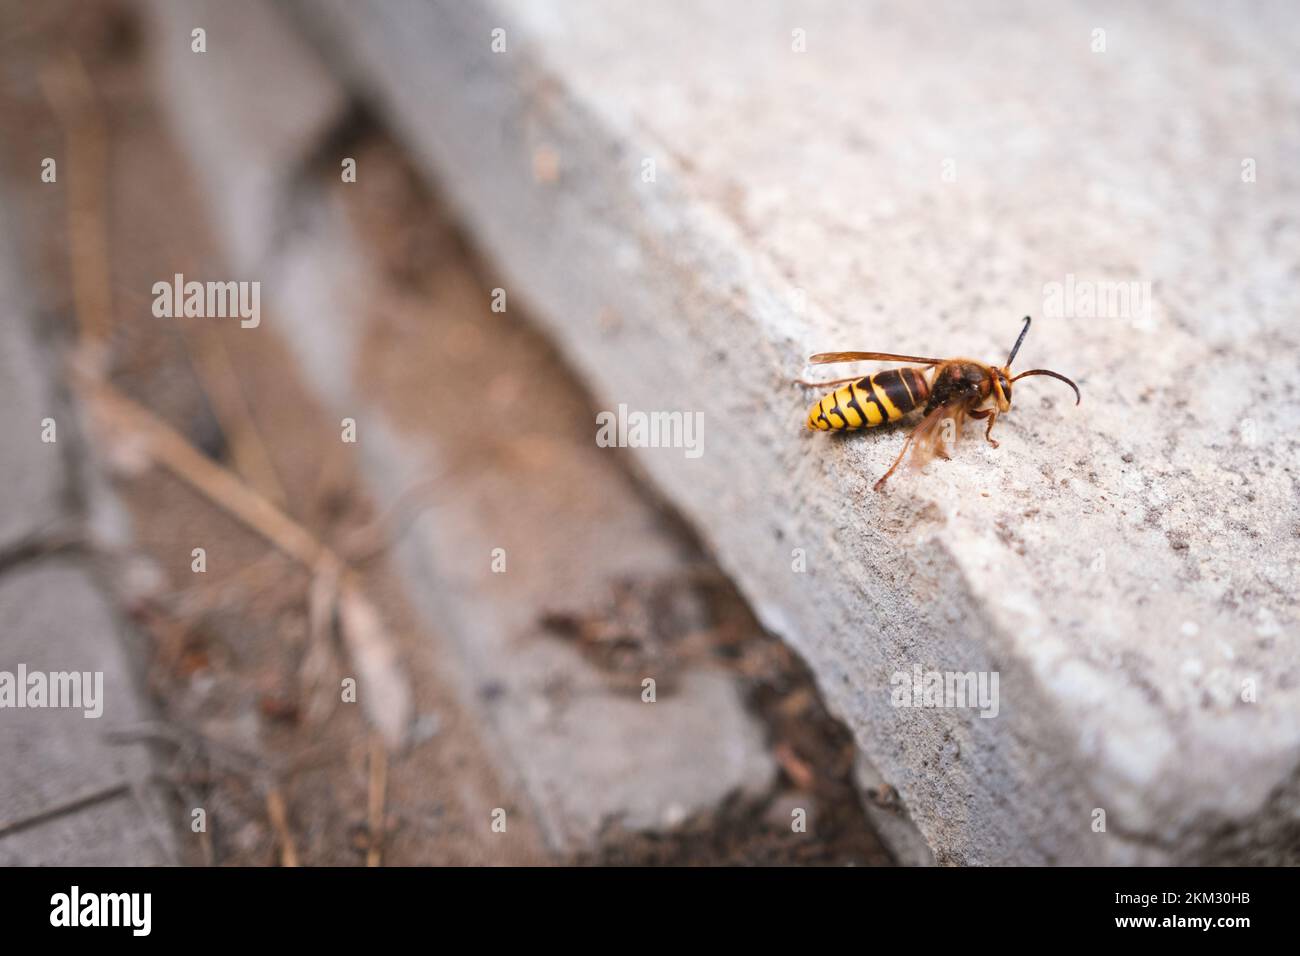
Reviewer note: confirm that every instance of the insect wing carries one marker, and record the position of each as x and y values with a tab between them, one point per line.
939	428
825	358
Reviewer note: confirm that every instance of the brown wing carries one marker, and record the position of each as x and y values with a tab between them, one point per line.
825	358
931	433
934	431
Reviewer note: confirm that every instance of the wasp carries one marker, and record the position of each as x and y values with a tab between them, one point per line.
957	388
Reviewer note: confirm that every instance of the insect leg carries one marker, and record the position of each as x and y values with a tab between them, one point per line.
897	461
927	442
992	415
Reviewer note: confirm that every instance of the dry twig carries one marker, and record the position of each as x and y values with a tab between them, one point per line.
378	792
279	816
387	695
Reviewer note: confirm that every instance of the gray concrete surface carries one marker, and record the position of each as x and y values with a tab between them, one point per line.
916	178
69	793
33	473
57	619
587	752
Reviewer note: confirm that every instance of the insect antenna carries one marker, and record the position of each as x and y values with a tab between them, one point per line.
1042	371
1016	348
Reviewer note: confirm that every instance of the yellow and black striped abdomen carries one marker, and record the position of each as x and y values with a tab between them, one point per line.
874	400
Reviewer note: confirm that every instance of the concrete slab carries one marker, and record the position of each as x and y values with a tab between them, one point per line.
113	833
33	473
57	620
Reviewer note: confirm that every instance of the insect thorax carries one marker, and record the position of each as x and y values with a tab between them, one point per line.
959	379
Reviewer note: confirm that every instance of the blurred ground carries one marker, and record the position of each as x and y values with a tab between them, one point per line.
227	648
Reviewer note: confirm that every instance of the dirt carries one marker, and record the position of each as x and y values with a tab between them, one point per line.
226	647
